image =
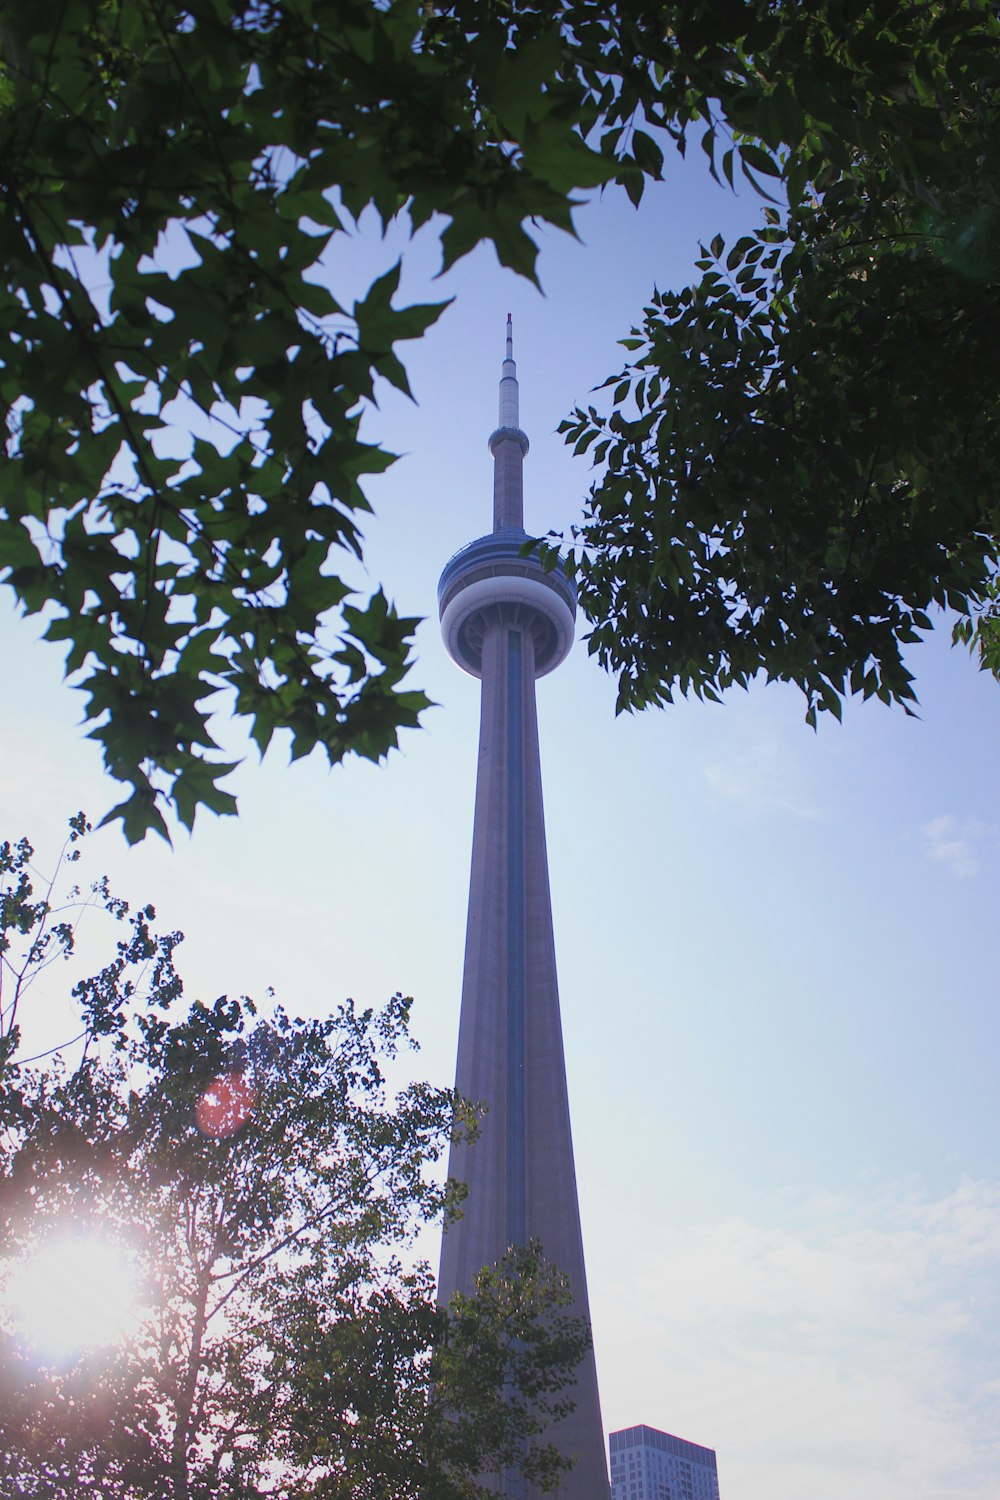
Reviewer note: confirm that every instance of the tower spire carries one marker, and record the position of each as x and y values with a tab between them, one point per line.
508	445
508	382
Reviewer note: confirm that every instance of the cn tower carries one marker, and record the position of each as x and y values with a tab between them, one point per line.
507	621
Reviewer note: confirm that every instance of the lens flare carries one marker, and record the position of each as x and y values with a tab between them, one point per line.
72	1293
225	1106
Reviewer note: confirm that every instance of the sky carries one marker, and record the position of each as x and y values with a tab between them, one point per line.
777	948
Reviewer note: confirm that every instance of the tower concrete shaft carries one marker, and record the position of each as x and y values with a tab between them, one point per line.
507	621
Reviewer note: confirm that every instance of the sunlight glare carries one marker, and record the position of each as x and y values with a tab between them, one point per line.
225	1106
74	1293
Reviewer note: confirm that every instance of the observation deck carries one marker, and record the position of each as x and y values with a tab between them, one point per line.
491	582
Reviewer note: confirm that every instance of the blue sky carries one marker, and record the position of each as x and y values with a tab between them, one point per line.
777	949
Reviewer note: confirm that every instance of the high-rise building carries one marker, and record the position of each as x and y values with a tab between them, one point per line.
647	1464
507	621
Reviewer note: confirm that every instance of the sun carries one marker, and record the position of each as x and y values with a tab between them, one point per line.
73	1293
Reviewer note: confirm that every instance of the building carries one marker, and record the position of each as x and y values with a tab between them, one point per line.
507	621
647	1464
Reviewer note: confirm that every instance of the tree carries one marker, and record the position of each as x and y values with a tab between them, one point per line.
801	452
266	1189
182	391
801	449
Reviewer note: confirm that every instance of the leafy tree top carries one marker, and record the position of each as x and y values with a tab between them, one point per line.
800	458
267	1185
181	389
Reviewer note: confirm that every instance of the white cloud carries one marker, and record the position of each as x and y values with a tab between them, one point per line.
956	844
761	778
854	1351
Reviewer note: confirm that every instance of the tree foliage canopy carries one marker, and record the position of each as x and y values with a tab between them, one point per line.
802	450
182	391
266	1188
